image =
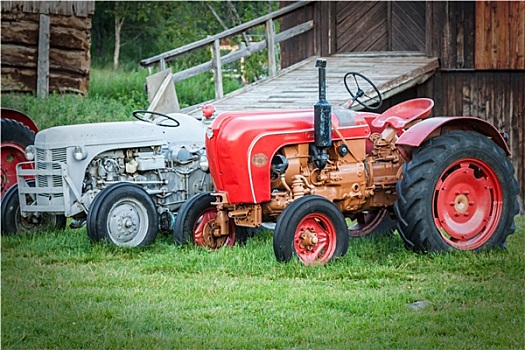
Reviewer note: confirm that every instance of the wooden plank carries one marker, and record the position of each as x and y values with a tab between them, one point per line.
161	93
217	69
68	8
270	44
517	35
502	35
42	84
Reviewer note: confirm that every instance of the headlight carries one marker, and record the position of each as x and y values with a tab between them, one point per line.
203	163
209	132
79	153
30	152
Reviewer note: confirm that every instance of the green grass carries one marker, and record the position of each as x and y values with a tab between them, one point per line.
59	291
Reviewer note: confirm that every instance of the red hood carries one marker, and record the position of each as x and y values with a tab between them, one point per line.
238	137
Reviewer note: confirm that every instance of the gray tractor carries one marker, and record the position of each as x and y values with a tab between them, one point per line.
125	180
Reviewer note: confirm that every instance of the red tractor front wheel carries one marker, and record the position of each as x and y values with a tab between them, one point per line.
457	193
311	228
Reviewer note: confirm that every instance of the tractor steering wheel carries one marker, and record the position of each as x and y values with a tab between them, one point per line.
360	93
141	115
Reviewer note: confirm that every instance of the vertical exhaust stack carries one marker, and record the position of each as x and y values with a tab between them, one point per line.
322	119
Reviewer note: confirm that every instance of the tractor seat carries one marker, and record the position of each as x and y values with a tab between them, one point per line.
403	113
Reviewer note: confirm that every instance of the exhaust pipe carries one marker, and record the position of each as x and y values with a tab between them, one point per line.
322	120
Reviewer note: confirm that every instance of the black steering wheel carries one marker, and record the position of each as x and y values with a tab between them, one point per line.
360	93
141	115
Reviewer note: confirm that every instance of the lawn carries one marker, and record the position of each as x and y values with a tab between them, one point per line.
60	291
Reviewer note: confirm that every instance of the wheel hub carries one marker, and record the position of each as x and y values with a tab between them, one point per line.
212	236
127	226
308	238
125	222
461	204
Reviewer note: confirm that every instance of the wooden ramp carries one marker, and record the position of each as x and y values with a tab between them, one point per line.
297	86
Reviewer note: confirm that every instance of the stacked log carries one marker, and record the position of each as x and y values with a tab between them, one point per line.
68	53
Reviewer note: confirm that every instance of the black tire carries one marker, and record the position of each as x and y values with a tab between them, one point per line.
17	133
14	131
94	234
122	205
13	222
372	224
195	219
458	192
297	229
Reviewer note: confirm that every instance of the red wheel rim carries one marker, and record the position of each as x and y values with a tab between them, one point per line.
12	154
315	239
202	232
366	222
467	203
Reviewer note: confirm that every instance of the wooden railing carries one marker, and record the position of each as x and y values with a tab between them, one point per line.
217	61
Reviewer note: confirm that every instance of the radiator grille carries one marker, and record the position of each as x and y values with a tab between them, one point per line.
42	159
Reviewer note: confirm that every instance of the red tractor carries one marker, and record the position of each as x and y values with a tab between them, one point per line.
18	132
325	174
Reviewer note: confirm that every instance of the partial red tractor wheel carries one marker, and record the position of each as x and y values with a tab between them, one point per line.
15	138
458	192
371	224
197	222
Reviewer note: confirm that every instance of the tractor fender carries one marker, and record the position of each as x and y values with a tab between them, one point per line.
8	113
417	134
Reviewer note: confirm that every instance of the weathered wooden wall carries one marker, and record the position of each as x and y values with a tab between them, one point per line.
69	45
500	35
355	26
302	46
380	26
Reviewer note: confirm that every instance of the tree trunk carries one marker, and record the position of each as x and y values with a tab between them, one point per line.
118	26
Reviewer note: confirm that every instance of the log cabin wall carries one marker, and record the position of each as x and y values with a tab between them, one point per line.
68	38
481	46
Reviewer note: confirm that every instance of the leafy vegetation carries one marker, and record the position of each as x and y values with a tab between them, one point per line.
59	291
152	27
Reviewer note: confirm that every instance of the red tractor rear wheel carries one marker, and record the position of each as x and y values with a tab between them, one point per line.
457	193
15	138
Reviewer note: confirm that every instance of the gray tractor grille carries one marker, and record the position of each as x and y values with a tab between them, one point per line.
42	159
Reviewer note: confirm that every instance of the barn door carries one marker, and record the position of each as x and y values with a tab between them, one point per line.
380	26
